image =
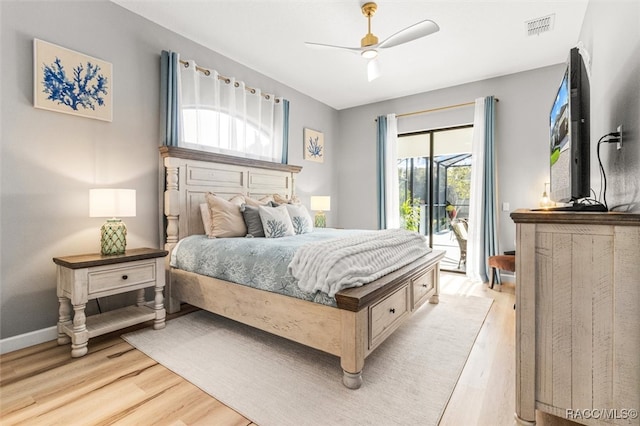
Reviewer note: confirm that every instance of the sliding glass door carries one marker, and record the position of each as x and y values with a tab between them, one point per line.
434	169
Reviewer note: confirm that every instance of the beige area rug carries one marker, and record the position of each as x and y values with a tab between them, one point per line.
408	380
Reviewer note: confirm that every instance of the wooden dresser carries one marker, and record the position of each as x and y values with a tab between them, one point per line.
578	316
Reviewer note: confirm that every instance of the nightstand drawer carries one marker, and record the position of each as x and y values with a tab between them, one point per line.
110	278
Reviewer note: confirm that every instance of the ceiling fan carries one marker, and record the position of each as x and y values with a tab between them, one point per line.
369	45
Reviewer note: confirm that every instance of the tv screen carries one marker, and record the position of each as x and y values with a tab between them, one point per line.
560	153
569	134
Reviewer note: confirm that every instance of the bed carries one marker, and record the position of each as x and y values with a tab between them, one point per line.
362	317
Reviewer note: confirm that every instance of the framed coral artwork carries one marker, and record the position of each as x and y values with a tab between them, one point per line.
71	82
313	145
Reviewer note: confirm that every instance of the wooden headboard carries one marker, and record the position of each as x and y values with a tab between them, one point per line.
190	174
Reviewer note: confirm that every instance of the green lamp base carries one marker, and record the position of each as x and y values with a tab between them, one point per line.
114	237
320	220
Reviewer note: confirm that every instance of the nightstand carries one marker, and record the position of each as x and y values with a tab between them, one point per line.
85	277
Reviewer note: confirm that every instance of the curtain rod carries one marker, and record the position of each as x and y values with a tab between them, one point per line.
425	111
228	80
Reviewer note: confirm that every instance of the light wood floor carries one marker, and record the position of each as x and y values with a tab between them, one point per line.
117	384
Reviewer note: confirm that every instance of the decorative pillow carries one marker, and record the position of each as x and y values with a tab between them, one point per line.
300	218
276	222
251	216
294	200
280	199
264	201
238	198
226	218
206	217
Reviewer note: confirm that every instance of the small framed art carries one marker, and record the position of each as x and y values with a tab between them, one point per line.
71	82
313	145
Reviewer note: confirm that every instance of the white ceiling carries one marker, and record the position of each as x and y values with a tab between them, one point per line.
478	39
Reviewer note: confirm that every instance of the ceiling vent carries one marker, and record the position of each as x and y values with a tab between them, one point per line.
540	25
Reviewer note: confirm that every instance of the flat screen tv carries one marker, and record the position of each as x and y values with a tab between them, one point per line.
569	134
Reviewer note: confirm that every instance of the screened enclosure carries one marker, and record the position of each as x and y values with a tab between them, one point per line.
434	170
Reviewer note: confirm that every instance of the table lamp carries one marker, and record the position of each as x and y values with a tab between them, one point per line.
320	204
112	203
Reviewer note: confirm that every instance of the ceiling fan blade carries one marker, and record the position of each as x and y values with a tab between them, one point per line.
332	47
411	33
373	69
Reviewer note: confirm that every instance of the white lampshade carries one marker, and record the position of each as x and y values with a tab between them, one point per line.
109	202
321	203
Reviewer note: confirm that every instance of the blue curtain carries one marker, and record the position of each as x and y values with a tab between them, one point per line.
285	132
169	62
489	233
381	150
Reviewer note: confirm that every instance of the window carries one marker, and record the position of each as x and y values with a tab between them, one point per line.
223	115
217	131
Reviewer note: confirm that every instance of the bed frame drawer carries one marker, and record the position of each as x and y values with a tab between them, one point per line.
386	315
423	286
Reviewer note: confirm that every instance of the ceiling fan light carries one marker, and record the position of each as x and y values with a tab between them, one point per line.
369	53
373	70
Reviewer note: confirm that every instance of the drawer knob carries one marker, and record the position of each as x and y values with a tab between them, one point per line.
392	310
124	277
424	285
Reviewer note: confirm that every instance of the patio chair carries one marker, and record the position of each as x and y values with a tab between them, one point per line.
459	228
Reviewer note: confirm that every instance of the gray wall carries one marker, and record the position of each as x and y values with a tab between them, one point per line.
522	141
611	34
49	161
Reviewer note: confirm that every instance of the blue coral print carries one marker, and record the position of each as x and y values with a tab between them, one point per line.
275	229
314	148
85	88
300	224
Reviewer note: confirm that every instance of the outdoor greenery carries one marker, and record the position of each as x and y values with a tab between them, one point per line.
418	176
458	179
410	214
452	192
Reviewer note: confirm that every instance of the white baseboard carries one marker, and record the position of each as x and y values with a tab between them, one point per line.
508	276
22	341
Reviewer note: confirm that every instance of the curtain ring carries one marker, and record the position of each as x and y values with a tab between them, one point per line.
227	80
267	97
253	91
186	64
237	84
207	73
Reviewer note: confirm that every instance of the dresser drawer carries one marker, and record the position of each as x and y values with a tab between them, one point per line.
118	277
423	286
386	315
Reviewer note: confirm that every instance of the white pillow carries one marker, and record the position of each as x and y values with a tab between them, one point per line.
300	218
276	222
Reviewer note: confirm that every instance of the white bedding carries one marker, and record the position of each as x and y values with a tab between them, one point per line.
334	265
